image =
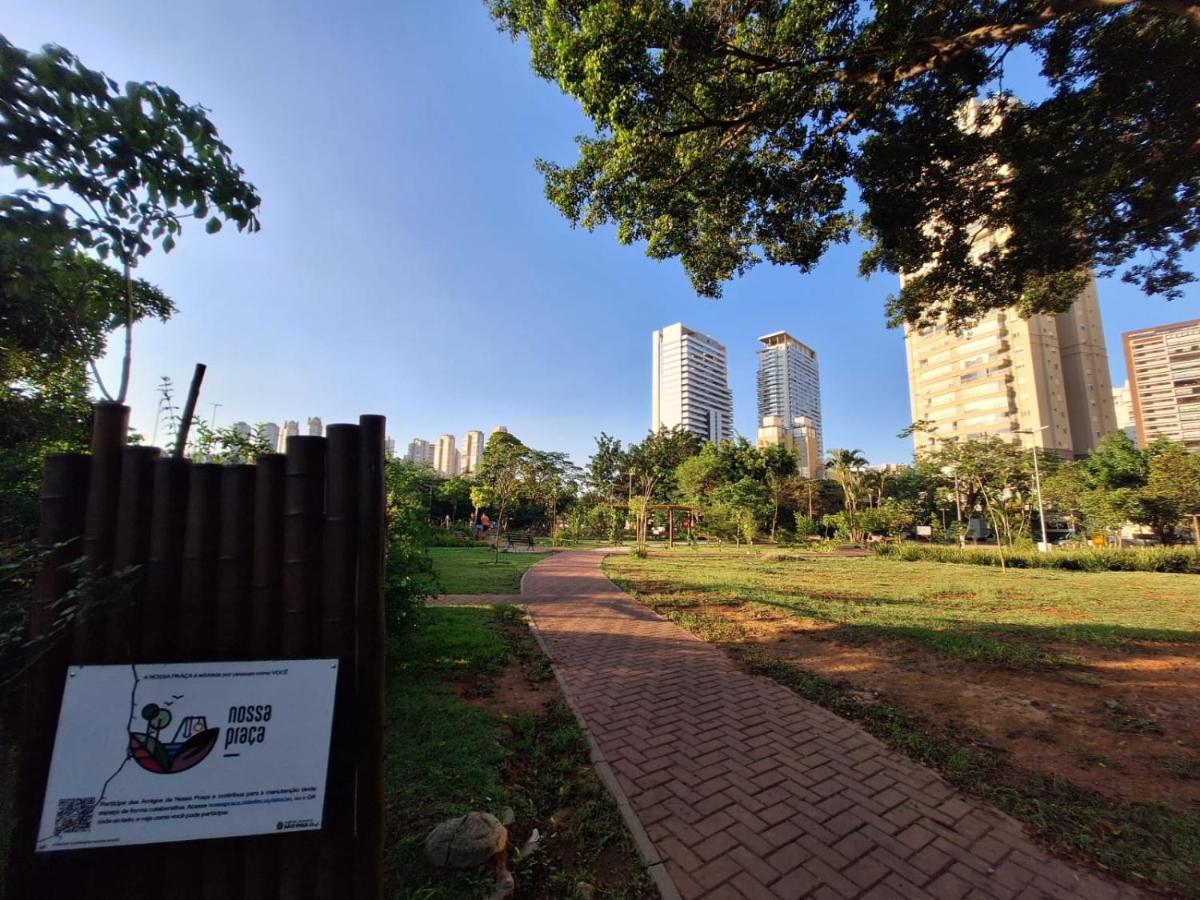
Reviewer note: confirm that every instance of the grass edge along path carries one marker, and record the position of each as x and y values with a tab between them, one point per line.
1144	844
476	570
450	749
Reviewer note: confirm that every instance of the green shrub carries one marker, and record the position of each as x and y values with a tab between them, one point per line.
1109	559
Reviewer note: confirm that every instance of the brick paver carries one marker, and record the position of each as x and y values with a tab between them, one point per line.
746	790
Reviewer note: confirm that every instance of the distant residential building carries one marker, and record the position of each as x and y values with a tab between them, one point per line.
690	384
242	429
499	429
1164	382
800	436
420	451
389	448
789	385
291	428
1123	407
445	456
269	432
1047	374
472	452
315	428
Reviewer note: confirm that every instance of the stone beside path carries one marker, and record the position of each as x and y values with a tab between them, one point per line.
735	787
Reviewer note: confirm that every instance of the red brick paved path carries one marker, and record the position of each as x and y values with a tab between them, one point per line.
747	790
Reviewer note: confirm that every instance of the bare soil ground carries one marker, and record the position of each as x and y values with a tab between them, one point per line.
1124	721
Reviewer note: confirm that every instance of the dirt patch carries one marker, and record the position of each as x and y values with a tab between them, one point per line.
1124	721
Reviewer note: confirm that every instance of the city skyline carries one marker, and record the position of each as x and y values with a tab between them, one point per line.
434	294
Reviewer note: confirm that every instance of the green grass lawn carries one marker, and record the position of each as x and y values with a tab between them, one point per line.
471	570
969	612
446	756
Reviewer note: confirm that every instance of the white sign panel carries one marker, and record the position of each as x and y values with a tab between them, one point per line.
187	751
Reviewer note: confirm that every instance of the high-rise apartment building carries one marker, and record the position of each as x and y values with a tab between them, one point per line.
690	387
445	456
420	451
389	448
315	428
789	385
1164	382
472	452
242	429
499	429
800	436
291	428
1046	374
1123	407
270	434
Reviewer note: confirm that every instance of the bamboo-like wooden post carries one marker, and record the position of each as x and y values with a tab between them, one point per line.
131	550
338	603
235	550
196	627
303	528
64	492
164	568
110	426
371	657
261	878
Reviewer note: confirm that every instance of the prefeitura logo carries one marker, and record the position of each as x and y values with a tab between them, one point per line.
193	741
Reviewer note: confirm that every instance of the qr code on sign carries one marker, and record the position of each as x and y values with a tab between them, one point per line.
74	815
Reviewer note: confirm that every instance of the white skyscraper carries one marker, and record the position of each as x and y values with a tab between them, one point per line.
445	457
472	450
315	428
789	384
389	448
242	429
690	384
270	434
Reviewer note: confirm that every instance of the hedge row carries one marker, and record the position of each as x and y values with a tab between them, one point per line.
1133	559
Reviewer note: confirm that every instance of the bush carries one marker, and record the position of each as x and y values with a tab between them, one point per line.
1134	559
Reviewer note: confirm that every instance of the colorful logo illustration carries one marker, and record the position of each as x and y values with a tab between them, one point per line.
192	742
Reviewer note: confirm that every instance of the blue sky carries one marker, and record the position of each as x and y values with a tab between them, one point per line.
409	264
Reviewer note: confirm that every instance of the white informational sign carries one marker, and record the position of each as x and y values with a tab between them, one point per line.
188	751
924	530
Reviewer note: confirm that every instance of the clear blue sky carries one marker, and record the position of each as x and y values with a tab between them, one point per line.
409	264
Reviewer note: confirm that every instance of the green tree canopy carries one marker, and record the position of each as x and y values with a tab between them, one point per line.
726	133
113	168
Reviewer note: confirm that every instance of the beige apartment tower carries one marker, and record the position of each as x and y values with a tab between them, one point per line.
1047	374
472	452
1164	382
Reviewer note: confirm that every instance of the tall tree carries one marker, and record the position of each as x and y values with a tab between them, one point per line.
729	132
114	167
846	466
500	478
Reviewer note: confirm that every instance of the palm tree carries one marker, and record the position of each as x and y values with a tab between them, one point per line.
846	467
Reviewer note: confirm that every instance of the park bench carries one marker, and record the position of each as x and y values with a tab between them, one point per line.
519	537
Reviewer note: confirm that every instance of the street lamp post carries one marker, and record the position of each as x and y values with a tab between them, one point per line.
1037	485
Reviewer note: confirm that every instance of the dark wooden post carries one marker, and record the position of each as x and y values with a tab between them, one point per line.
234	562
338	604
110	427
164	568
262	860
197	611
303	527
371	653
64	492
131	550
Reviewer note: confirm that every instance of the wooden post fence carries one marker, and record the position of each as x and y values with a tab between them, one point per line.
164	561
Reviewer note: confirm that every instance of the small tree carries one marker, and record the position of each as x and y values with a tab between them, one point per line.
846	466
145	161
500	479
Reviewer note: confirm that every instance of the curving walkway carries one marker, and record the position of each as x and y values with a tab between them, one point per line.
736	787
